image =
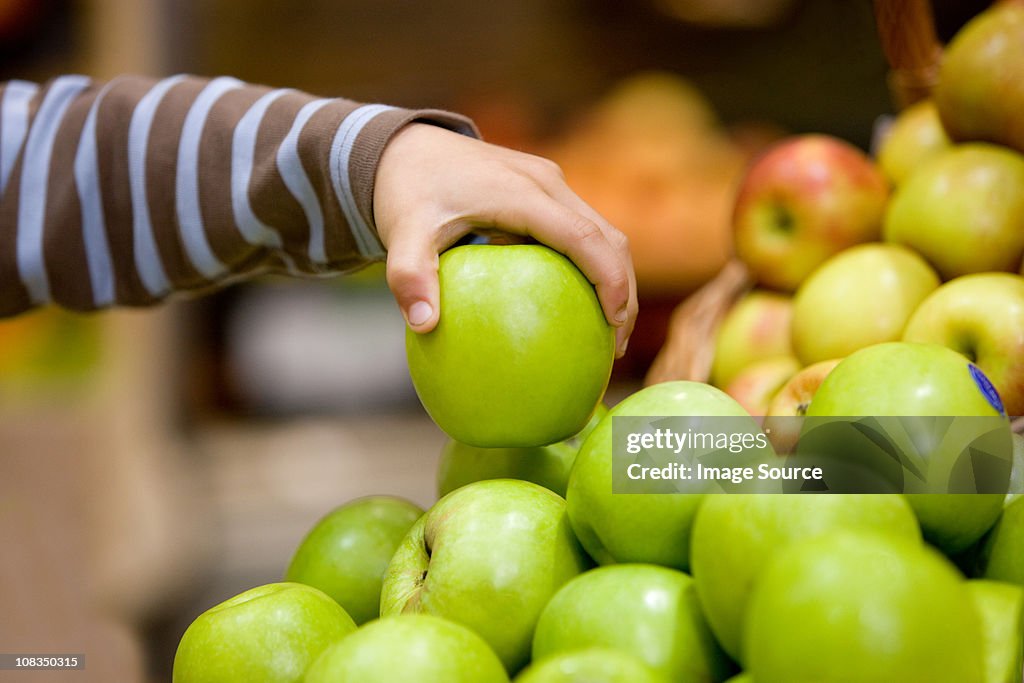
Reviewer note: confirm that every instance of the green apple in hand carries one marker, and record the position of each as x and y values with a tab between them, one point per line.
1002	555
548	466
807	198
982	317
980	93
735	536
862	606
963	210
860	297
522	353
346	553
489	556
1001	608
648	527
270	634
915	136
592	665
414	648
905	379
755	329
647	611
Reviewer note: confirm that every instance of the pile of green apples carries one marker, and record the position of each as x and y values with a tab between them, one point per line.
886	287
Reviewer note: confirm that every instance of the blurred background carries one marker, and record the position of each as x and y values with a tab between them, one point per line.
153	463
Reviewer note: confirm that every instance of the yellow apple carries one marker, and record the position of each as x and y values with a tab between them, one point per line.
860	297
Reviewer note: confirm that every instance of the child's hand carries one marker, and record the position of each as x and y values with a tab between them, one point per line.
434	186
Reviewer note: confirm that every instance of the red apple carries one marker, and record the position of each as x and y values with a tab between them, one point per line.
795	396
755	386
756	328
782	422
806	199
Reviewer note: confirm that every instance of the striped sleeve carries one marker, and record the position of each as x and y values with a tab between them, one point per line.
125	192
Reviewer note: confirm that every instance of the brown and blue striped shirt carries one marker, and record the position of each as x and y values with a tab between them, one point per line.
124	192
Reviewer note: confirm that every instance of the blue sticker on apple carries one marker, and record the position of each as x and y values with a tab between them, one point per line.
986	387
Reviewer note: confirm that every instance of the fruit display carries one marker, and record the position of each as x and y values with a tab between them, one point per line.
881	289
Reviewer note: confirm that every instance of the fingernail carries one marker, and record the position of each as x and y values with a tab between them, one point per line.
620	315
419	313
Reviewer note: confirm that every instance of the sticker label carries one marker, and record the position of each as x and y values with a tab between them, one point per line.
987	388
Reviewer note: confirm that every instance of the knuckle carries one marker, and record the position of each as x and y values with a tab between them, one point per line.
543	167
619	282
584	229
401	272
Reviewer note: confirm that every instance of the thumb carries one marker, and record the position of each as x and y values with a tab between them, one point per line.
412	278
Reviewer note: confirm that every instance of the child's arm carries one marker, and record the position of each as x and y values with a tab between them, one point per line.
124	192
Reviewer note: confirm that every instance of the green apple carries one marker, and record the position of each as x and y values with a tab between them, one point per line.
953	522
862	606
982	317
735	536
593	665
270	633
907	379
1001	608
522	353
756	385
548	466
346	553
1002	555
904	378
414	648
915	136
647	611
860	297
756	328
807	198
963	210
489	556
980	93
650	527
